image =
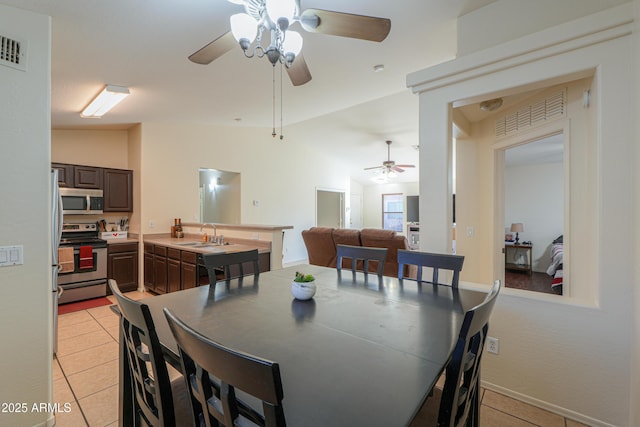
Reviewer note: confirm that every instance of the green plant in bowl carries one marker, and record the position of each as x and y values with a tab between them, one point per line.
303	278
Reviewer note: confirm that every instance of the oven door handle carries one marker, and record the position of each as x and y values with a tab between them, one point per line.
60	291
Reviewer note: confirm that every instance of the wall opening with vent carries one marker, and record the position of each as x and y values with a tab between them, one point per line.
13	52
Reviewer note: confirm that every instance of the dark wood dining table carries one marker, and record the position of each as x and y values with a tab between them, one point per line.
365	351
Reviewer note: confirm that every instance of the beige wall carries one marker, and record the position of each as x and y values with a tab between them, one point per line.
26	297
104	148
282	176
572	356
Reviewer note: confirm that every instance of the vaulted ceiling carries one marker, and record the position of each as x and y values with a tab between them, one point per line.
144	45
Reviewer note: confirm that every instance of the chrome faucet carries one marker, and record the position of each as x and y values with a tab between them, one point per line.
215	231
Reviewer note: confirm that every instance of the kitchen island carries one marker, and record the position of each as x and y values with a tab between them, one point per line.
172	264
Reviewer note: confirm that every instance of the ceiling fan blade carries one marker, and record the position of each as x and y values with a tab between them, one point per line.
345	24
214	50
397	169
298	71
374	167
406	166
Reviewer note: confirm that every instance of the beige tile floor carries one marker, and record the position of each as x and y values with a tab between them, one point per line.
86	375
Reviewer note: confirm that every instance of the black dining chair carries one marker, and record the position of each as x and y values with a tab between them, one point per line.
435	261
361	253
214	372
458	403
231	265
158	401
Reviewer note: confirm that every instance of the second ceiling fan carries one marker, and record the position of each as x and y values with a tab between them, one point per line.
276	17
389	165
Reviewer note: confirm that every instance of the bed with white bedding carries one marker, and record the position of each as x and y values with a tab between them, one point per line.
555	268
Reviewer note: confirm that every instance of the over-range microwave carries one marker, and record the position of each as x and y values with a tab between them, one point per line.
81	201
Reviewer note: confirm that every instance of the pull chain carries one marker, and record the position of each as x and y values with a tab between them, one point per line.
281	136
273	133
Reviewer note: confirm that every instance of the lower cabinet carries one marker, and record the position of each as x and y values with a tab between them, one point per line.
173	270
169	270
122	265
189	270
160	269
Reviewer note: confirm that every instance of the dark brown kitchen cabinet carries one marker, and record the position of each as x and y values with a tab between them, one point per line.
149	277
173	270
118	190
160	269
65	174
122	265
189	270
87	177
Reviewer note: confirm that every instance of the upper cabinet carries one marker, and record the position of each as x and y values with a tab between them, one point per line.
87	177
117	184
118	190
65	174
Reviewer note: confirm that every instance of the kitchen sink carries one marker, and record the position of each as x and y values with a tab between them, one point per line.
196	244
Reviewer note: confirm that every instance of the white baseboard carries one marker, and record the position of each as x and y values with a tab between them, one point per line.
546	405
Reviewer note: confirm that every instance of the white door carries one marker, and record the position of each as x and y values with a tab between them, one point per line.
355	220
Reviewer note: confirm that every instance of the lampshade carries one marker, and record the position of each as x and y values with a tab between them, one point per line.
281	9
244	27
517	227
292	42
110	96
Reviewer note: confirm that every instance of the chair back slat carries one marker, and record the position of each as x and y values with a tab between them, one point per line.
152	387
204	359
360	257
434	261
232	264
460	393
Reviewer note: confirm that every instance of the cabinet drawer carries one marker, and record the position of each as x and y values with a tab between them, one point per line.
160	250
189	257
173	253
148	248
123	247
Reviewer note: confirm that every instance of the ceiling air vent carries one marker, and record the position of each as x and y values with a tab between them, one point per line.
13	53
536	113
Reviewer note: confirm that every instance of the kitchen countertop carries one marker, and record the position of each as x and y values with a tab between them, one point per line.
194	243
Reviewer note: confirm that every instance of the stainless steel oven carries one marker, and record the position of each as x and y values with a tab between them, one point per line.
81	201
83	275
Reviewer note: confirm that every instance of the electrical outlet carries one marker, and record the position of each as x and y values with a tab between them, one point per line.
493	345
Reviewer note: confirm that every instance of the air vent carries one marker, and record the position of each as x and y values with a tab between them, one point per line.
538	112
13	53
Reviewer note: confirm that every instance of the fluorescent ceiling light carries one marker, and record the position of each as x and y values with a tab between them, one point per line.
110	96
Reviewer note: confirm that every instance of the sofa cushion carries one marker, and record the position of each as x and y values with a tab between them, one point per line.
377	238
321	249
347	236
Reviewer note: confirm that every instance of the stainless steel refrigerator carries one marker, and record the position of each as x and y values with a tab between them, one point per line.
56	235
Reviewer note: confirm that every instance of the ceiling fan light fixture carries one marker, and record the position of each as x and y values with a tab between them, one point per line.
244	29
491	104
281	12
292	43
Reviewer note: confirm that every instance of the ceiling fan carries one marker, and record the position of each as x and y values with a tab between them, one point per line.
275	17
389	166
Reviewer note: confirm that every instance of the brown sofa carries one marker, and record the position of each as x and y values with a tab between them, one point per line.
321	245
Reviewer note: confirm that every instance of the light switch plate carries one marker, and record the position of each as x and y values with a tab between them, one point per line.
11	255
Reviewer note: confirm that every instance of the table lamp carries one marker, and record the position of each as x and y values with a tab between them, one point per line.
517	227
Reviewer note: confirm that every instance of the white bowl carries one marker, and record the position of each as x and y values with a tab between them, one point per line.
303	290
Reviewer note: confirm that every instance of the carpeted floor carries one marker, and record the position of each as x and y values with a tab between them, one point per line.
82	305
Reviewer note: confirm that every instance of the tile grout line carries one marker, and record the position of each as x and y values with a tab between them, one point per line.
75	398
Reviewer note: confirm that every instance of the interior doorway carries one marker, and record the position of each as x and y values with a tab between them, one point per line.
533	185
330	208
